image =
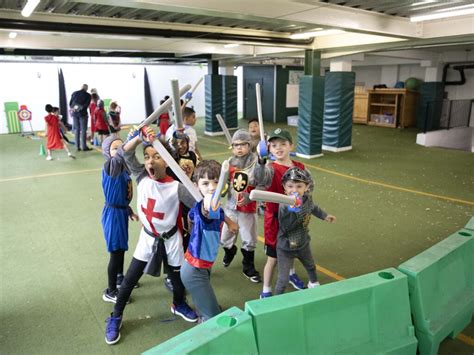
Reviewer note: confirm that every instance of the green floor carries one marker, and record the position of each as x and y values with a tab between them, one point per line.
393	199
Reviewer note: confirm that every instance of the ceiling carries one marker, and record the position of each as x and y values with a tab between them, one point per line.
195	31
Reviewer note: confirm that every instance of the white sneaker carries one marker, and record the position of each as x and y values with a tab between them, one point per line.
313	285
71	156
49	157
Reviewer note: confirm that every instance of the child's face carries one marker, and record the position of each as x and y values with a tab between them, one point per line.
154	164
190	120
295	186
114	147
206	185
181	146
254	129
240	149
280	148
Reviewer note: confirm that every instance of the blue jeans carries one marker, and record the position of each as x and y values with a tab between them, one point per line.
80	127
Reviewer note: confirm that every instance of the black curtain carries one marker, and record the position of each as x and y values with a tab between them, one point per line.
63	102
148	102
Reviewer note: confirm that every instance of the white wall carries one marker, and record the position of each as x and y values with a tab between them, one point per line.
369	75
36	84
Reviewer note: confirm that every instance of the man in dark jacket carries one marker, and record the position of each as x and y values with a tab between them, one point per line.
79	105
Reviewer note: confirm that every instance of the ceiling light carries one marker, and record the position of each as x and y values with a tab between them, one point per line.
231	45
422	2
29	8
438	15
12	35
306	35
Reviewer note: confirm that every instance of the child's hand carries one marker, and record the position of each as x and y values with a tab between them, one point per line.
133	133
147	134
134	217
233	227
188	96
330	218
206	204
242	198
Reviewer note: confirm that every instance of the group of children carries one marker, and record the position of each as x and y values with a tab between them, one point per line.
180	233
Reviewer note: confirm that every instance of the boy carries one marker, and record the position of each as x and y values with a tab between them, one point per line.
189	119
158	199
254	131
293	237
280	145
204	242
118	193
239	208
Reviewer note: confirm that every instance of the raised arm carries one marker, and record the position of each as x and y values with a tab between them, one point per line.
128	152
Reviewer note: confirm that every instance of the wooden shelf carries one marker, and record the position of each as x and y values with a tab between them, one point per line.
397	105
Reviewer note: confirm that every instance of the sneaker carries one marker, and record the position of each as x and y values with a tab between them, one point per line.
296	282
112	329
183	310
86	149
120	278
71	156
266	294
110	296
229	255
313	285
253	275
49	157
168	284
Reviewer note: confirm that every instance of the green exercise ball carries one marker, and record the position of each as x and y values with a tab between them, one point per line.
413	84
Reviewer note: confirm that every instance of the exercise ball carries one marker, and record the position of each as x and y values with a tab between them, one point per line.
413	84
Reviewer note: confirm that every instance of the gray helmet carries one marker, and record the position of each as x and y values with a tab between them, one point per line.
297	174
241	135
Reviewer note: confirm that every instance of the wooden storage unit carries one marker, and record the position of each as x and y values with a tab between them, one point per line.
392	107
361	100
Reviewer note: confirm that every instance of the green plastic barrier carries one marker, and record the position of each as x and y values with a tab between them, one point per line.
470	224
369	314
441	284
230	332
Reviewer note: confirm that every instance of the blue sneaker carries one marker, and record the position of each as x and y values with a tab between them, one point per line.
183	310
266	294
296	282
112	329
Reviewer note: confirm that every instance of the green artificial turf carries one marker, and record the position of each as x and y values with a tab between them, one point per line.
53	257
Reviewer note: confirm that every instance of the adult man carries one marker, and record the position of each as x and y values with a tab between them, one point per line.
79	105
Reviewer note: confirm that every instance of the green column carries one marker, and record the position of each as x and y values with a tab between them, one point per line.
312	62
213	93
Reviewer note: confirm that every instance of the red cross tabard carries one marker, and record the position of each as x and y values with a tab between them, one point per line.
149	213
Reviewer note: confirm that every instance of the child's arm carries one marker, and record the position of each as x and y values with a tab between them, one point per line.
318	212
263	173
185	196
128	148
233	227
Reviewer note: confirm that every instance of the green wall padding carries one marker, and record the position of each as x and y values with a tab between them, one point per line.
229	100
213	93
282	78
230	332
11	114
369	314
441	285
430	106
311	111
338	109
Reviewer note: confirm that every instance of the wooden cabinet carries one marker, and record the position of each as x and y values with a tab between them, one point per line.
392	107
361	101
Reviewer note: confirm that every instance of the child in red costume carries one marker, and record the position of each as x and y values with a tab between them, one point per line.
53	132
101	125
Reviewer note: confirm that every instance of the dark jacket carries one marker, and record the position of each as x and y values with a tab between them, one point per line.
81	99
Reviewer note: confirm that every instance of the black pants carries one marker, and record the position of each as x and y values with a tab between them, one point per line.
115	267
134	273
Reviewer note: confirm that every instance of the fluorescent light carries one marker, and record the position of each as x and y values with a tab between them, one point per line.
12	35
29	8
306	35
438	15
231	45
422	2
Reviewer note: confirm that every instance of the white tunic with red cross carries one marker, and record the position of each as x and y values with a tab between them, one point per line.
158	210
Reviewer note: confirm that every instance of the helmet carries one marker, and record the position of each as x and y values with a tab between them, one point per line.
297	174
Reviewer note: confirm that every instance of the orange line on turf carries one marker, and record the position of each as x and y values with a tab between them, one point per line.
465	339
447	198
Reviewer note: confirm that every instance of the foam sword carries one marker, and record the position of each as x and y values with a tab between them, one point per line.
216	196
262	145
221	121
293	201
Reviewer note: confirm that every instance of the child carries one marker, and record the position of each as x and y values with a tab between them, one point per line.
164	119
280	144
189	118
239	208
293	237
53	132
204	242
114	118
185	158
254	131
101	126
118	192
158	199
92	107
